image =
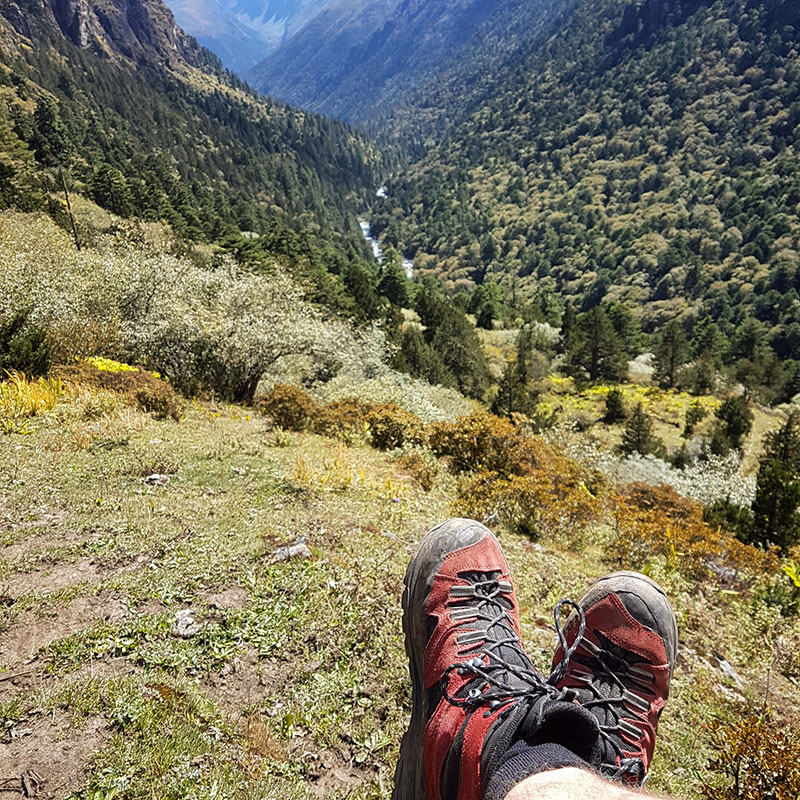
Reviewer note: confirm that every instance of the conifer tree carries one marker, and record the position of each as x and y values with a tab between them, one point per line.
615	407
736	419
671	354
776	508
596	348
638	434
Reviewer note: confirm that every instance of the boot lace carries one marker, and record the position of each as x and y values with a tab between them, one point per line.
507	674
623	765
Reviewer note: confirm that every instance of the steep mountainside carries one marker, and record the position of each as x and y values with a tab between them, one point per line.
242	32
366	61
647	153
151	125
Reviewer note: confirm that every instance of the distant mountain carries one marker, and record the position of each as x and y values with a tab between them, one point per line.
365	61
243	32
150	125
238	46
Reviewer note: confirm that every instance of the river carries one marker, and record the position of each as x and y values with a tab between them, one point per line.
408	264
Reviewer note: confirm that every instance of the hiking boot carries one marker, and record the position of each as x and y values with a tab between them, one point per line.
620	666
475	692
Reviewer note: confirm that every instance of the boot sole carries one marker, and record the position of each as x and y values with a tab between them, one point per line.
436	545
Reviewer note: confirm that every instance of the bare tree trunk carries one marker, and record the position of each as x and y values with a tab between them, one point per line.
69	209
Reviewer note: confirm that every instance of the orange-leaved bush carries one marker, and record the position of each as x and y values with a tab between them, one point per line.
288	406
483	441
141	387
341	419
756	759
657	521
391	426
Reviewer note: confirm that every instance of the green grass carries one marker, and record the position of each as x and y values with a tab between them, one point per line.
322	705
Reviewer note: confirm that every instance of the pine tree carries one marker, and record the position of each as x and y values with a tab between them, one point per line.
597	349
615	407
776	508
736	418
638	434
671	354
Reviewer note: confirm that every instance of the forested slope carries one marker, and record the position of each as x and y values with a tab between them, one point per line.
151	125
646	154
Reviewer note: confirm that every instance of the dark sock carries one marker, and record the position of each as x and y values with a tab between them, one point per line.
523	760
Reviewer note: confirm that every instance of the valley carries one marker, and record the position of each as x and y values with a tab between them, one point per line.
271	310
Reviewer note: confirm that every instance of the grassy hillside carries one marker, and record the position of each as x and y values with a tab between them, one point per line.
289	677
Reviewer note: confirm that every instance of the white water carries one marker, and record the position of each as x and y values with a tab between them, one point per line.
408	265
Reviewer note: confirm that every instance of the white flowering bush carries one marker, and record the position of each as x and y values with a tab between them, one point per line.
429	403
222	328
706	480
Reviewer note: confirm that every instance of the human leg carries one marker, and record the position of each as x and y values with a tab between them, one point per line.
572	784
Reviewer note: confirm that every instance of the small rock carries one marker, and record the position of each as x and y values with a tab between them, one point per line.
298	549
156	479
728	671
537	548
389	535
186	624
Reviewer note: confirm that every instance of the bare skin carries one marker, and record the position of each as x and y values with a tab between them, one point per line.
569	783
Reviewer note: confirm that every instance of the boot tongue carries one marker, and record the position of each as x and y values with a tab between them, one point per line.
567	724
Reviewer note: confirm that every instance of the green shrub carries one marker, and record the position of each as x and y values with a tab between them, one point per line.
391	426
288	406
23	347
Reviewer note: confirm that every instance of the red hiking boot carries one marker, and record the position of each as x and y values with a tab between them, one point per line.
475	692
620	667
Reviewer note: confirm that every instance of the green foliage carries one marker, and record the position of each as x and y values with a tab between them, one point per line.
288	406
592	168
596	350
615	407
670	355
724	514
695	414
736	418
638	435
19	184
450	334
23	347
776	508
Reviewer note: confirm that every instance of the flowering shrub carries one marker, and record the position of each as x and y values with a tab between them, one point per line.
109	365
289	406
429	403
655	521
141	387
222	329
390	426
